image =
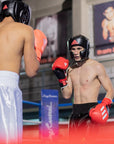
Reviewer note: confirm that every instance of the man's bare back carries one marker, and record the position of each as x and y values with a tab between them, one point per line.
16	39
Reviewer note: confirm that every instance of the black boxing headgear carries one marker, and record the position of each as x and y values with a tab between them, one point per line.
79	40
17	9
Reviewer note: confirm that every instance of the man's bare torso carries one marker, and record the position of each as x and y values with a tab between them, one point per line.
85	82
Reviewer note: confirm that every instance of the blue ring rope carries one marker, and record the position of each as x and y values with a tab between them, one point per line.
32	103
60	105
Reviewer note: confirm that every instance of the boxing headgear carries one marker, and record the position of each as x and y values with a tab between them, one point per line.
17	9
79	40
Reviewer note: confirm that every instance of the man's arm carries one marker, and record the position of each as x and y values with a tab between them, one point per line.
67	91
30	57
105	81
59	67
100	113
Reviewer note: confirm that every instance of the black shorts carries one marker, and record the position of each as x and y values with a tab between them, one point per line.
80	115
81	128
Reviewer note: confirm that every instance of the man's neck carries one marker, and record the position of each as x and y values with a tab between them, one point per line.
76	64
8	19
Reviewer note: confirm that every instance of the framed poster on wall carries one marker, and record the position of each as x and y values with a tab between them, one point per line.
103	15
57	28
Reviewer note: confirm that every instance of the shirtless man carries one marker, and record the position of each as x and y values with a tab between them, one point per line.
108	24
83	78
16	40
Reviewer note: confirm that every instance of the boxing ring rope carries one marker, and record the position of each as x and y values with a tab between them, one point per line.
32	103
39	105
60	105
36	121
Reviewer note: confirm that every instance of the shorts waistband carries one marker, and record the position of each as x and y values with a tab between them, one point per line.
9	78
83	108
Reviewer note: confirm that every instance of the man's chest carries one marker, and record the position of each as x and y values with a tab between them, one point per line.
82	77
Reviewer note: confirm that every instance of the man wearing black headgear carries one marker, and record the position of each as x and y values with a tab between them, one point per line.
16	40
83	77
82	41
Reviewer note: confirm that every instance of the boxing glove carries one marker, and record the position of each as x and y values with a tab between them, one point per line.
59	68
100	114
40	43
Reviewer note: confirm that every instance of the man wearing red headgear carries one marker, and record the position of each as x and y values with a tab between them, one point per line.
83	78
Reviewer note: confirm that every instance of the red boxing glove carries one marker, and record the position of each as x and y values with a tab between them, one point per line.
60	63
40	43
99	114
59	68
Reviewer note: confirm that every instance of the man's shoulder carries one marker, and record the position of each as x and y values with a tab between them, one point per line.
98	65
24	29
23	26
94	62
